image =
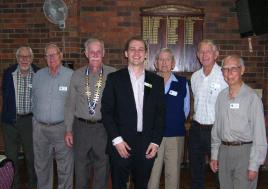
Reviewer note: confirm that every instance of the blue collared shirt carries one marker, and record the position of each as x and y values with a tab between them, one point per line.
49	94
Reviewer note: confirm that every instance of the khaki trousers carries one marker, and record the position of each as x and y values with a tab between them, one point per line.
169	153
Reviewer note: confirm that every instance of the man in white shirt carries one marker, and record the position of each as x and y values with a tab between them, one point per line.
133	115
206	84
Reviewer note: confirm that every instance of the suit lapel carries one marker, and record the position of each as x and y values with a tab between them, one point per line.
147	88
127	86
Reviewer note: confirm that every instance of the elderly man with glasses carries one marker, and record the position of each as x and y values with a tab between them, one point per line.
238	137
17	112
50	87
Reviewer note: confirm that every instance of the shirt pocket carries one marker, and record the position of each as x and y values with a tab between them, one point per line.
214	90
239	121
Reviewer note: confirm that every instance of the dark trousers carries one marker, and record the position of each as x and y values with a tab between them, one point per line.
90	141
15	136
199	147
136	165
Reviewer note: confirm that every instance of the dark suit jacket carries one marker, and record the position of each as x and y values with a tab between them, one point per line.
9	100
119	110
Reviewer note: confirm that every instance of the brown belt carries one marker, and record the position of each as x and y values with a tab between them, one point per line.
235	143
88	121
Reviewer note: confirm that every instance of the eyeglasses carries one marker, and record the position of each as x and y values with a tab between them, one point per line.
21	57
50	56
234	69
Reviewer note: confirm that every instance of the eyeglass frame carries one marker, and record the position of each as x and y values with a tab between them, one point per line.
21	57
233	69
50	56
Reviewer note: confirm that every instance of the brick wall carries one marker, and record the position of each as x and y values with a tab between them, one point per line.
22	22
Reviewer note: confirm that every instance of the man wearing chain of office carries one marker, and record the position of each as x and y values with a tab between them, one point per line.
84	128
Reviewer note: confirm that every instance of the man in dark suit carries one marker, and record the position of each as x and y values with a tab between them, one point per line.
17	113
133	115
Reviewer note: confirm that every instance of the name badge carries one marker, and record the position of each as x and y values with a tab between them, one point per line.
234	106
215	85
173	93
63	88
30	86
148	85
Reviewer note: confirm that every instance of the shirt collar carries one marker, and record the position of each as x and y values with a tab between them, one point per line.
241	90
169	81
58	73
132	75
212	71
19	72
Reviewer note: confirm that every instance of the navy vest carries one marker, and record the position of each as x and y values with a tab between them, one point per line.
175	117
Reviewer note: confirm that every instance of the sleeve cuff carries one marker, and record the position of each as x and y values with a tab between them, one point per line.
155	144
253	167
214	154
117	140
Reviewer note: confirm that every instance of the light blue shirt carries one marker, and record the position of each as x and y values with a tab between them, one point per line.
187	97
49	94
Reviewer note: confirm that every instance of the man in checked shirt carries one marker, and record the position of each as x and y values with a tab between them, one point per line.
206	84
17	112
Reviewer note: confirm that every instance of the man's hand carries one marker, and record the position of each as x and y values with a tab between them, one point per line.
151	151
252	175
214	165
68	137
122	148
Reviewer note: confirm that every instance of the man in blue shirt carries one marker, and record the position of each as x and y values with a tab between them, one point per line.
177	101
50	88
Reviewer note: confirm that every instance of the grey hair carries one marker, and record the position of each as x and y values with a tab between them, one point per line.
168	50
92	40
236	57
210	42
52	45
24	47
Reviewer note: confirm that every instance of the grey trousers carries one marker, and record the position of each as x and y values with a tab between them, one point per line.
16	136
233	167
49	144
90	142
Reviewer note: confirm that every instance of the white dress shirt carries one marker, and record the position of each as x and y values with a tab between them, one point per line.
138	90
205	91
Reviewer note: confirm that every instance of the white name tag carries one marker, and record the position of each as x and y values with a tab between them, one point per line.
215	85
63	88
30	86
148	85
173	93
234	106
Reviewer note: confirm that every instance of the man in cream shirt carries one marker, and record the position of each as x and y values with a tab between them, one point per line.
206	84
